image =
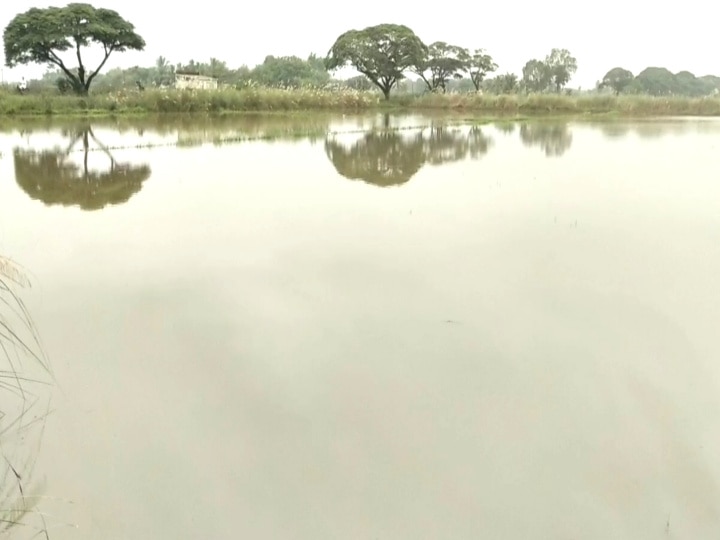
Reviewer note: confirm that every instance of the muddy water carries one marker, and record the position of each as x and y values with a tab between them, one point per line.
376	327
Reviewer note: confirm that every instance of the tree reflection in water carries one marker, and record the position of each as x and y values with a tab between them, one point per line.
51	177
554	138
387	157
25	382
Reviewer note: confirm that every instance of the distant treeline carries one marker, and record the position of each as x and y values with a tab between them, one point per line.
295	72
384	55
656	81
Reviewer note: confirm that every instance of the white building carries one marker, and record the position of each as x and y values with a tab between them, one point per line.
195	81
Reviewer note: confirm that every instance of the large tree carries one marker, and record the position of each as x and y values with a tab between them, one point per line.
382	53
441	63
618	79
536	76
479	65
562	66
41	36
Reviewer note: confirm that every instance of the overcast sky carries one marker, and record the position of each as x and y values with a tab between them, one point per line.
633	35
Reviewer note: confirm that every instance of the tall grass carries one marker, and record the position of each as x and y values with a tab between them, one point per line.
582	104
24	373
336	98
190	101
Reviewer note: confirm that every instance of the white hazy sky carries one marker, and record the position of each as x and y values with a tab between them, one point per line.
603	35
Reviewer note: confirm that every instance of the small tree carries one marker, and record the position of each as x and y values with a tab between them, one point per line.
382	53
40	36
479	65
506	83
536	76
618	79
562	66
441	63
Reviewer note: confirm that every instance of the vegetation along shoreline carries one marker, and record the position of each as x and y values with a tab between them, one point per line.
395	70
174	101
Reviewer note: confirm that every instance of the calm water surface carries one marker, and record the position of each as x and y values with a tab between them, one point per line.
372	327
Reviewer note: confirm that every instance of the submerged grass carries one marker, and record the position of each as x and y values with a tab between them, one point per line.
258	99
24	370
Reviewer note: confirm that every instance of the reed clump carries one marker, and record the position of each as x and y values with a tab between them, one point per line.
25	377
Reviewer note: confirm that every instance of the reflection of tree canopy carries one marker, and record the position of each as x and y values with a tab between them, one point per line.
452	144
553	138
612	129
383	158
48	176
391	157
505	127
656	128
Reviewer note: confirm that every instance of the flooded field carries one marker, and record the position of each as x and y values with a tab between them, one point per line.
376	327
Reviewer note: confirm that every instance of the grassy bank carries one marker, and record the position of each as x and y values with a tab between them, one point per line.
272	99
188	101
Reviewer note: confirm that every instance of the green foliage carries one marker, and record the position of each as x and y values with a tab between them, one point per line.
507	83
382	53
564	104
341	98
479	65
536	76
41	35
561	66
291	71
618	79
441	63
657	81
155	100
359	82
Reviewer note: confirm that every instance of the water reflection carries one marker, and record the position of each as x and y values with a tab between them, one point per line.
554	138
446	144
52	177
382	158
191	130
614	130
392	157
470	357
25	379
505	126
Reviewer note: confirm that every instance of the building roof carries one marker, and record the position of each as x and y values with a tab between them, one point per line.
194	74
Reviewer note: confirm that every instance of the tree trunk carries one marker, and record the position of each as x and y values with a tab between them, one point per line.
386	93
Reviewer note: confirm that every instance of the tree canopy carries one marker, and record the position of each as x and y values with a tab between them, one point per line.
441	63
291	71
507	83
382	53
561	66
479	65
536	76
41	36
618	79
